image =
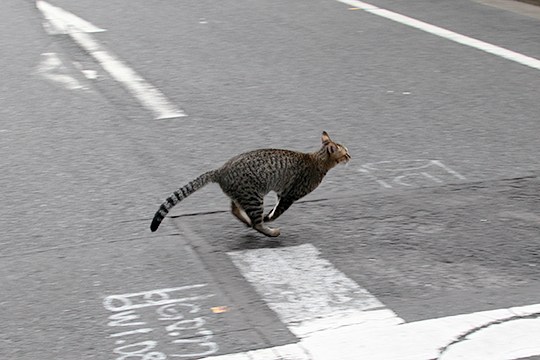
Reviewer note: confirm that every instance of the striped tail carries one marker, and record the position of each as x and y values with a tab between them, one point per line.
180	195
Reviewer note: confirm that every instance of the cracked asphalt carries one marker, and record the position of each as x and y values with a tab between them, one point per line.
465	336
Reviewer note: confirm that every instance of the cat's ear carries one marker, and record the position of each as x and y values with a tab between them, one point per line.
328	143
325	138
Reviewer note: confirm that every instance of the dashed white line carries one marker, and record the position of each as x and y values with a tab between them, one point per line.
62	22
447	34
150	97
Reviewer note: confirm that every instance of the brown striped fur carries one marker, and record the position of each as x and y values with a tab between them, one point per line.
248	177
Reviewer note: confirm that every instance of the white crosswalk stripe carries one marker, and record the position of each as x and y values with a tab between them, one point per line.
334	318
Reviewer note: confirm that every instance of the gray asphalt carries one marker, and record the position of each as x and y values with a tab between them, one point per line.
82	171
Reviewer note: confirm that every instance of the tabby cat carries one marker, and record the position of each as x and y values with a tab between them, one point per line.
248	177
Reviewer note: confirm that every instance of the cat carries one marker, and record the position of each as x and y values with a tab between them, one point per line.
248	177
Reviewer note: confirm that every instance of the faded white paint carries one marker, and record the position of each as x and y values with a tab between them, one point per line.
446	168
60	21
52	68
447	34
409	173
171	311
125	302
509	340
286	352
148	95
425	340
335	318
306	291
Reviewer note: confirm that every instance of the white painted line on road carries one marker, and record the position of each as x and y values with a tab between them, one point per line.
52	68
447	34
432	177
285	352
447	169
138	300
178	311
61	21
148	95
434	338
521	334
306	291
311	297
398	170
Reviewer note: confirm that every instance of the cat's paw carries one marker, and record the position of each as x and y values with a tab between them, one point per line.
275	232
272	232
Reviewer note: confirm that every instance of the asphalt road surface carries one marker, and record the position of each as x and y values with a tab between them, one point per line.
426	245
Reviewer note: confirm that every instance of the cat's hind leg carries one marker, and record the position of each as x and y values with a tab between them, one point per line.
240	214
254	210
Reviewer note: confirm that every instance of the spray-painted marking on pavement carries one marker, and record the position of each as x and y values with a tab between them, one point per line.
408	173
160	324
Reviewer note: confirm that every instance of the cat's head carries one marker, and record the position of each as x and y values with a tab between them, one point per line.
334	151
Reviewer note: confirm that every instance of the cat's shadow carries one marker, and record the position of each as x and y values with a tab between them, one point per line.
257	241
253	240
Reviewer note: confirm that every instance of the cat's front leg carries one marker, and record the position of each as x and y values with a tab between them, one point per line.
269	217
283	204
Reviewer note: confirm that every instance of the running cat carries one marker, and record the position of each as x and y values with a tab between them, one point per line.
248	177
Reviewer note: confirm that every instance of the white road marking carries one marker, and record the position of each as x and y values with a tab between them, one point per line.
130	301
384	184
176	311
432	177
447	34
306	291
89	74
285	352
62	22
519	337
52	68
131	332
447	169
148	95
335	318
398	170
